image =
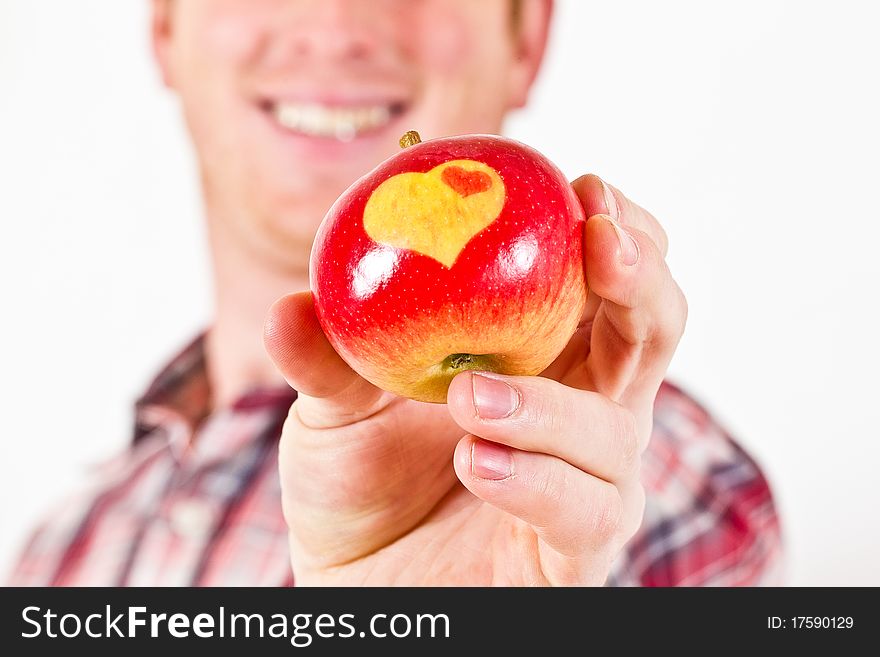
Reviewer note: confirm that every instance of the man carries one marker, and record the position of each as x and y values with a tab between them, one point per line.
518	480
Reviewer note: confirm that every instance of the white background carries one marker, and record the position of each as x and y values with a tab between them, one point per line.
749	128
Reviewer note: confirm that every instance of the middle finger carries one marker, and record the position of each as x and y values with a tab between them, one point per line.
535	414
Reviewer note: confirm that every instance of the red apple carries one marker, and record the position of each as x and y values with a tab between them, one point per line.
462	253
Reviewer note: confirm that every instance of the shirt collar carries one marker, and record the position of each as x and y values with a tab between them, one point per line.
179	398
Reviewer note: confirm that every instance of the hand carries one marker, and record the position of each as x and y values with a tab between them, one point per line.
545	485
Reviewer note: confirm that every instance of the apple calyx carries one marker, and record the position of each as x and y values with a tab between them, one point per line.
470	362
456	363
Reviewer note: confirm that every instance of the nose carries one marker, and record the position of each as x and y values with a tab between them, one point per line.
333	30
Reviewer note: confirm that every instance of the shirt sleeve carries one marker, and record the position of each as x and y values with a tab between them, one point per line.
45	549
710	518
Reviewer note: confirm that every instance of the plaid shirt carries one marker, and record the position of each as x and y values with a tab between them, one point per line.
196	500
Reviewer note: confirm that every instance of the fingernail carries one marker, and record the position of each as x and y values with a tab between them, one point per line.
629	248
611	208
490	461
493	399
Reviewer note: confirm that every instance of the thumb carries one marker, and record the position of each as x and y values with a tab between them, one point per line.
331	394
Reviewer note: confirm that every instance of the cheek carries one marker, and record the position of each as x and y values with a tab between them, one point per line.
442	41
216	40
463	52
224	33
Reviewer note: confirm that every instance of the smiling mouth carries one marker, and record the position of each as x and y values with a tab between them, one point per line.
340	122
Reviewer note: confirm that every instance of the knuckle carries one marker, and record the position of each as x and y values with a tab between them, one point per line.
627	440
662	238
679	311
604	515
550	486
548	411
682	309
652	227
635	512
641	502
670	325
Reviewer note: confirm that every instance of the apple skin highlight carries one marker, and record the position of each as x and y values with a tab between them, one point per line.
405	311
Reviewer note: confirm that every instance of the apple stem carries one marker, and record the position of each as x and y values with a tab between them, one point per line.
410	138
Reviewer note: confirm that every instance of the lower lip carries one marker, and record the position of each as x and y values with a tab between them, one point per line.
314	146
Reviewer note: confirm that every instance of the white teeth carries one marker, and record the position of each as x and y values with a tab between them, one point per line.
343	124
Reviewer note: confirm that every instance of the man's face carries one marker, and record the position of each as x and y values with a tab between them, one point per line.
290	101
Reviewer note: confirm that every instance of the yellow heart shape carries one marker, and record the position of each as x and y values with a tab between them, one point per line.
438	212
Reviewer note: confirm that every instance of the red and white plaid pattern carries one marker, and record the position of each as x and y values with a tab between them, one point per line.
196	500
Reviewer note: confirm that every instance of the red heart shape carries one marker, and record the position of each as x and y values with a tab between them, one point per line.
466	182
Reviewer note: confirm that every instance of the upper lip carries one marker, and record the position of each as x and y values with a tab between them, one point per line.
339	95
393	103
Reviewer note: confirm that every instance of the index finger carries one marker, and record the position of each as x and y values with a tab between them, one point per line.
598	197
